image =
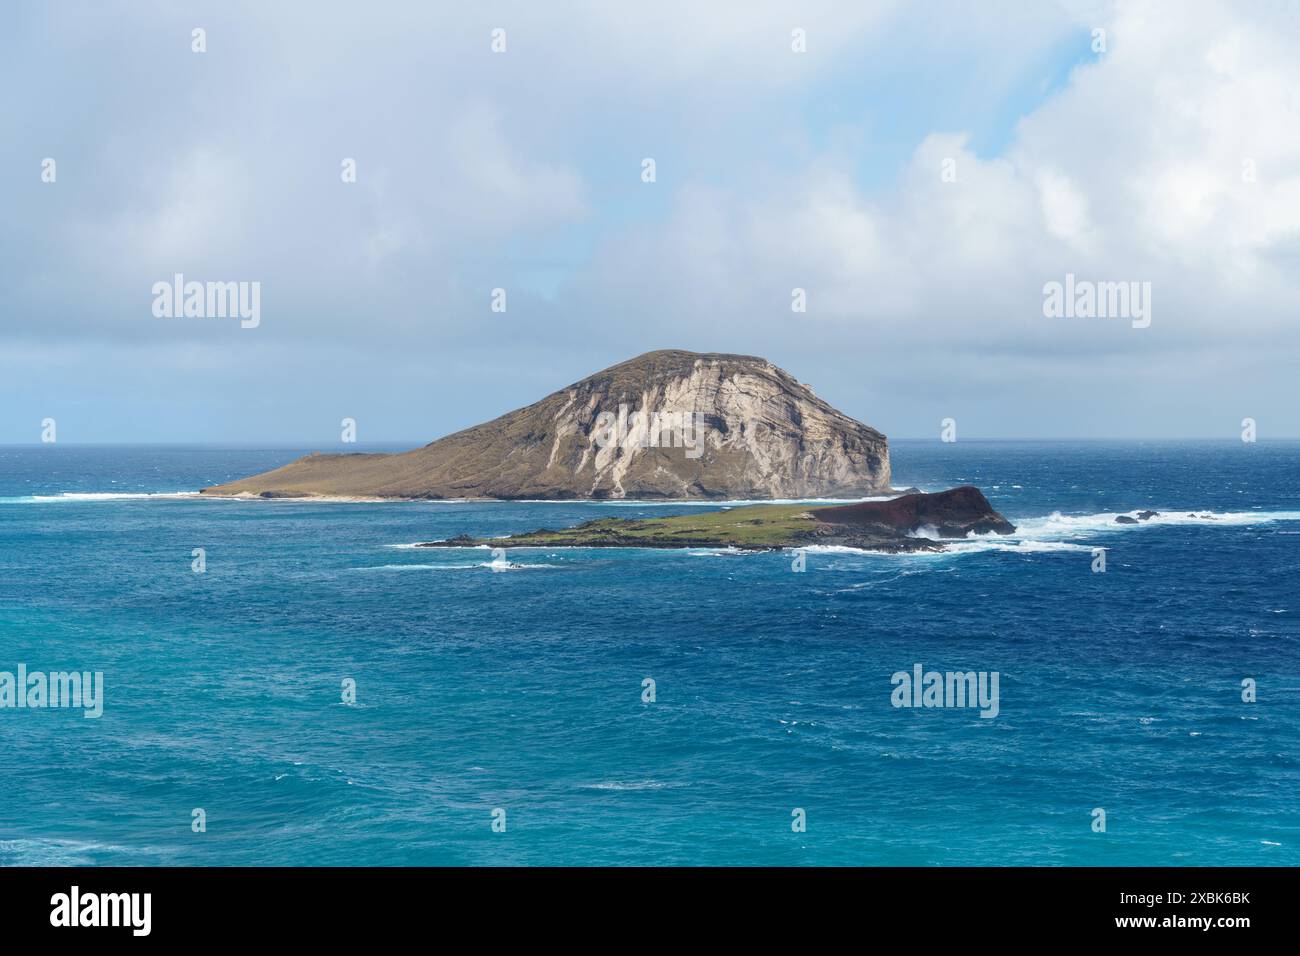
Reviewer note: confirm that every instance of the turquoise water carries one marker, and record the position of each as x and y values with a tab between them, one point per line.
480	688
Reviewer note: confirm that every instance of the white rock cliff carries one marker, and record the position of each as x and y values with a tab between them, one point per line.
727	426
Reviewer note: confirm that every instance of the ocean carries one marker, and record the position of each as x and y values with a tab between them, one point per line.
500	713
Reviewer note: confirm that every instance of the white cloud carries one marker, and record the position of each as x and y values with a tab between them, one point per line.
1133	172
1065	209
471	164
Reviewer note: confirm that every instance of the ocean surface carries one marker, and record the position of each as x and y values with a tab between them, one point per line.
481	685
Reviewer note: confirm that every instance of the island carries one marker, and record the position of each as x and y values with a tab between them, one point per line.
910	522
665	425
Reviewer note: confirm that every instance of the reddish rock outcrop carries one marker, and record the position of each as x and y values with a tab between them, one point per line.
952	514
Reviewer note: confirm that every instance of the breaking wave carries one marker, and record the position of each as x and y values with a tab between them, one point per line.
1063	533
95	496
1059	524
493	565
1058	532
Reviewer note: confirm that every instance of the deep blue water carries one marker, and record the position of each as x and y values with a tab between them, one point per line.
521	689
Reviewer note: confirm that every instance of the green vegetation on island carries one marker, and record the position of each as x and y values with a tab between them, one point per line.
890	525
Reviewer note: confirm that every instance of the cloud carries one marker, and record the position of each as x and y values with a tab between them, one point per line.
1134	171
1172	157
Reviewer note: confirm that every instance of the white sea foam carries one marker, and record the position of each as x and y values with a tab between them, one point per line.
66	496
629	785
989	543
52	852
494	565
1057	524
405	567
1060	533
1065	533
513	566
835	549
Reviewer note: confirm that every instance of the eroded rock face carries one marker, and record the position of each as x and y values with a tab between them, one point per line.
951	514
761	434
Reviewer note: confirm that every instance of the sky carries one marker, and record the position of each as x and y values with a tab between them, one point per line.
920	170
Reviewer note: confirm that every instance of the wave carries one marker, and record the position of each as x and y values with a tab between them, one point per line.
493	565
620	785
1058	533
1061	533
986	543
52	852
96	496
424	545
1057	524
403	567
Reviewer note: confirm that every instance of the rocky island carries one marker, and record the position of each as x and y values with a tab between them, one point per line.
912	522
665	425
671	425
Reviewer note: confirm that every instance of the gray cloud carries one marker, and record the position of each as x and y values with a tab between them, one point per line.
520	170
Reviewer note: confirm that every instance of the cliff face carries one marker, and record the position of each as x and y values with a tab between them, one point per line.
728	426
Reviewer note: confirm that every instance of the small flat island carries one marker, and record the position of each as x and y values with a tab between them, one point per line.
891	525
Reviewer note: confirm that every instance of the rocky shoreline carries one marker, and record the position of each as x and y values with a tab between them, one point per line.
910	522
